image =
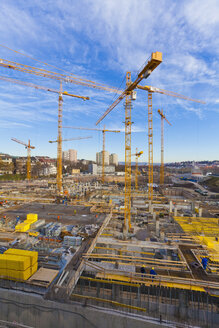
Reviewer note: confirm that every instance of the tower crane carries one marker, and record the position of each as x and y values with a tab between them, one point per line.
59	151
28	147
104	130
137	155
151	90
153	62
163	117
70	78
60	101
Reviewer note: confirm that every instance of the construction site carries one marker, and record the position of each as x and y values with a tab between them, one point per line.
97	252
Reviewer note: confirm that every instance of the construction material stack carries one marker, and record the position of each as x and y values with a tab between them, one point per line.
18	264
25	226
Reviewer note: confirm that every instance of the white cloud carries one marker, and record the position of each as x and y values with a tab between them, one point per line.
203	16
12	125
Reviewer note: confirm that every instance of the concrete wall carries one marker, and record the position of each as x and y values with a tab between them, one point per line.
32	310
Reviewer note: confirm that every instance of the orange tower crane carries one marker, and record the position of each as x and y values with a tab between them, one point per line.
104	130
128	94
137	155
163	117
60	101
28	147
151	90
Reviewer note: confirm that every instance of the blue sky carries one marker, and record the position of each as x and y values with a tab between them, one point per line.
101	40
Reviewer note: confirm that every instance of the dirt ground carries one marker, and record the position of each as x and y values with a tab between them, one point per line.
50	212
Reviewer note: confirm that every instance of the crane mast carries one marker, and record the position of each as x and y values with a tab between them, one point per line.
28	161
163	117
150	147
103	157
137	155
151	90
128	168
28	147
162	152
153	62
59	143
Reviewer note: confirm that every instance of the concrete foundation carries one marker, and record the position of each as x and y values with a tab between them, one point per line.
34	311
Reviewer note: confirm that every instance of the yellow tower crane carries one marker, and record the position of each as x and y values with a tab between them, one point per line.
151	90
128	94
60	101
137	155
68	78
28	147
104	130
163	117
59	157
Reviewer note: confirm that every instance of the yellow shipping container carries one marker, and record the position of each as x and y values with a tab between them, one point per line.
14	262
33	255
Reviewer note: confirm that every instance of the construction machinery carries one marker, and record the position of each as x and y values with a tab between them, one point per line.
28	147
104	130
163	117
137	155
150	90
129	94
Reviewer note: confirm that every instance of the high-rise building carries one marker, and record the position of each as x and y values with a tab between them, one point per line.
113	159
72	155
99	157
65	155
69	155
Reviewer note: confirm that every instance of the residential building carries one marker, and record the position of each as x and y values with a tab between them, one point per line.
49	170
113	159
99	157
65	155
70	155
20	165
6	164
97	169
